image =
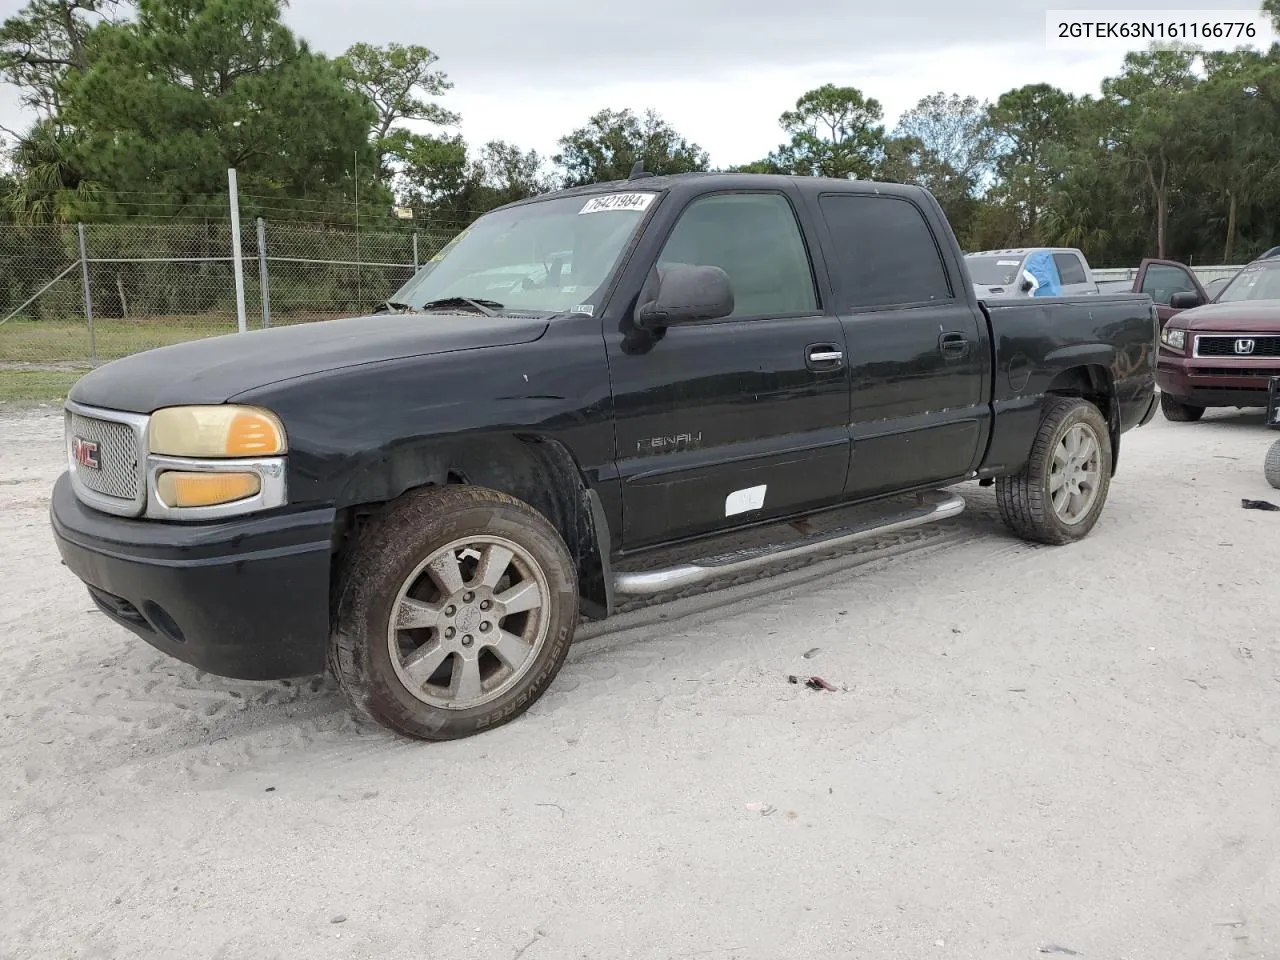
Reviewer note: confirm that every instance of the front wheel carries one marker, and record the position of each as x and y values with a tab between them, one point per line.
1176	411
454	614
1058	496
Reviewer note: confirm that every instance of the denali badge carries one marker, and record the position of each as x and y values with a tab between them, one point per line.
1244	346
86	453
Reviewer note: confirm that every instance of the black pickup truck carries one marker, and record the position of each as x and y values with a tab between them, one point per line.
426	500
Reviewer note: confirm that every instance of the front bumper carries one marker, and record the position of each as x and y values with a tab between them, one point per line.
1216	381
245	598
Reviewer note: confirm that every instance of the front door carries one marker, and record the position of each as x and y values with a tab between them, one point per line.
1161	279
745	418
919	354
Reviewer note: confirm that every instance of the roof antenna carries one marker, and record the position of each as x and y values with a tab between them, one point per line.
638	171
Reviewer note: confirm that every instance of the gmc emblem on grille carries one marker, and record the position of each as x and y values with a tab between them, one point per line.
1244	346
86	453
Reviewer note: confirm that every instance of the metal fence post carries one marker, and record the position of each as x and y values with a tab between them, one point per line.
263	282
415	251
88	295
236	253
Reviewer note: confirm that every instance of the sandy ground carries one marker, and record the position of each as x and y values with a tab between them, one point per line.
1039	752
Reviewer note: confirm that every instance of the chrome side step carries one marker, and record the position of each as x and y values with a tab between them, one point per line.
939	505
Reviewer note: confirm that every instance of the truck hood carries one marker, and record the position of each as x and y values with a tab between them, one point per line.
1241	316
216	369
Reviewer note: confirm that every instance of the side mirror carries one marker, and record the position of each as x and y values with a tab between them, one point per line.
1026	286
1185	300
686	294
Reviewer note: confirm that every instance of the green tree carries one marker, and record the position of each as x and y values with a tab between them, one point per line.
46	40
834	132
1237	133
451	187
45	184
957	131
193	87
612	141
1150	102
1032	128
397	79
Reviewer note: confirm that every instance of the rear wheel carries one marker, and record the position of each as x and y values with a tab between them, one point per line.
1178	412
1059	495
454	614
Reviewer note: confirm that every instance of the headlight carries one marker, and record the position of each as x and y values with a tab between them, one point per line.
1174	339
213	462
216	431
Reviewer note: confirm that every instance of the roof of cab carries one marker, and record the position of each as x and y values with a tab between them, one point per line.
724	181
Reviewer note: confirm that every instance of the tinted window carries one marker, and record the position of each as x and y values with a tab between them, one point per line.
1069	268
754	238
1161	282
883	252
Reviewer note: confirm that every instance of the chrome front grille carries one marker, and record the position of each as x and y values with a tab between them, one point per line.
115	442
1237	345
117	475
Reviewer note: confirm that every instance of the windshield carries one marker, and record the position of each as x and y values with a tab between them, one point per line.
1257	281
993	271
548	256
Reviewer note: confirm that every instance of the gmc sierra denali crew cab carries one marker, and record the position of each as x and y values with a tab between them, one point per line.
425	499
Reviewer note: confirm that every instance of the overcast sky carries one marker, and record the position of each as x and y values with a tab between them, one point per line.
721	71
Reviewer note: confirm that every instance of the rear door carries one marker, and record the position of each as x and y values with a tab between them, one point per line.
1161	279
919	356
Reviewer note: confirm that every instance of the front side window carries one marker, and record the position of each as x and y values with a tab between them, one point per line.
1161	282
755	239
543	257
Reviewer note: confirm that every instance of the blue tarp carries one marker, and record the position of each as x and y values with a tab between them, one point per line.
1041	266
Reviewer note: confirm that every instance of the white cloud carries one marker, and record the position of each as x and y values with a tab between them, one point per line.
735	117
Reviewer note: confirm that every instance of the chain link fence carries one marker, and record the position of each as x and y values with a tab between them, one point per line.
73	296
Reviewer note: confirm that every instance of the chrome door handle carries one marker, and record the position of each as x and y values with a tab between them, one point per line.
825	356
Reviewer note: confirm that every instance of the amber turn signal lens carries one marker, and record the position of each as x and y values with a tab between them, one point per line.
181	489
252	434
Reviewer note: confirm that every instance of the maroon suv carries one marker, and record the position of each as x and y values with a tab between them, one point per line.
1220	353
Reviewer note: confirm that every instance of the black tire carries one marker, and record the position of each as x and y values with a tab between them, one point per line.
1271	467
389	551
1176	411
1024	500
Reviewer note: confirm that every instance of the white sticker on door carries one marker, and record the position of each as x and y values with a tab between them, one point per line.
618	201
744	501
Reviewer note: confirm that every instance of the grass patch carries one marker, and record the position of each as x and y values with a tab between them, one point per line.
67	341
52	341
42	385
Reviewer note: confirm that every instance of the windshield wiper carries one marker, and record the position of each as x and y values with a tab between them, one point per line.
393	306
488	307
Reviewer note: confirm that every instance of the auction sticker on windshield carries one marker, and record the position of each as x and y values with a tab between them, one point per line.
617	201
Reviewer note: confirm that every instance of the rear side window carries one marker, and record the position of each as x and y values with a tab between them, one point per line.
883	252
1070	270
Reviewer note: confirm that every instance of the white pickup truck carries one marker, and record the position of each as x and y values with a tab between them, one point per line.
1030	272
